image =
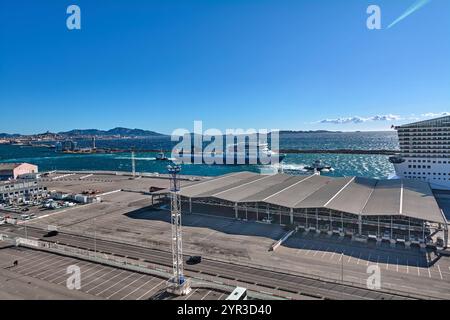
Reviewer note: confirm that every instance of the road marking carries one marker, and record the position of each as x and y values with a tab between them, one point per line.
24	265
397	264
189	295
331	258
387	263
109	279
41	263
350	257
142	276
206	295
315	252
70	262
137	289
82	273
340	256
151	289
407	266
368	259
378	259
418	269
359	258
115	284
440	273
86	284
429	273
325	252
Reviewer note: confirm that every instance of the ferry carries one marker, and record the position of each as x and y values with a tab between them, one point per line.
424	152
236	154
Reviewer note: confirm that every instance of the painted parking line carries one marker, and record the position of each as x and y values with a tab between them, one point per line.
101	269
378	260
24	265
418	269
429	272
359	259
189	295
331	258
153	288
65	262
387	263
109	279
325	252
440	273
131	283
79	264
115	284
350	257
368	258
45	262
206	295
83	272
137	289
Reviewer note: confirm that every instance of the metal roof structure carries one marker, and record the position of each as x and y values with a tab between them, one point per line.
355	195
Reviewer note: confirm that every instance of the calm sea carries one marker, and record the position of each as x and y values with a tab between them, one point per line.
344	164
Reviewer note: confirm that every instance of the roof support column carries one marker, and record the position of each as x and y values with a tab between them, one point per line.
392	223
360	225
306	217
331	221
445	235
423	232
317	219
235	210
190	205
291	214
409	228
280	212
378	228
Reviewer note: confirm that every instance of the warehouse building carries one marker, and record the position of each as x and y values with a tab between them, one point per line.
363	208
11	171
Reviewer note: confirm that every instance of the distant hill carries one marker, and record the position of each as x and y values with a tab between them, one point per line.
124	132
7	135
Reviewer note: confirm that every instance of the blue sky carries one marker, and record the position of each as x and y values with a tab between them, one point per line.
160	65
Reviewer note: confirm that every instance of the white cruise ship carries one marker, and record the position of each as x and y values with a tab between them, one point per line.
425	152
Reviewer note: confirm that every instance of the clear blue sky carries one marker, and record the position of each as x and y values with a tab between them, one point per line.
160	65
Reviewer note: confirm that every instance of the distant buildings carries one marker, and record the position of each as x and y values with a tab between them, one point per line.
11	171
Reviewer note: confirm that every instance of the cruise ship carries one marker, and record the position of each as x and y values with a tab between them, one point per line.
424	152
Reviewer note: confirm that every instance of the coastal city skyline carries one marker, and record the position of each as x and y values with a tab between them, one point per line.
232	65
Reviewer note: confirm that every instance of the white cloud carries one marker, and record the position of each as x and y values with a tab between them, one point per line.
356	119
432	114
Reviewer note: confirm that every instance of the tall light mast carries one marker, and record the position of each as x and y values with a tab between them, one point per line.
178	284
133	164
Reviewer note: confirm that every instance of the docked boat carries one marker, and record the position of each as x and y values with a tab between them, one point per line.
424	152
236	154
319	167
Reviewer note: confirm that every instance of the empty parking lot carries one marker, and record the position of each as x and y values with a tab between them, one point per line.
98	281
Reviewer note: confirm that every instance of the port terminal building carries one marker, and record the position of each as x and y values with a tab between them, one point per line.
365	209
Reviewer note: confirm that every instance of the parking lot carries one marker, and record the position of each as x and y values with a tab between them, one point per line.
99	281
127	216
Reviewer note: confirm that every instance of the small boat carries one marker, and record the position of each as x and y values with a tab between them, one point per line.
319	166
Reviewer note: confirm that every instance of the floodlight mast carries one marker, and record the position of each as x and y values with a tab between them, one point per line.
178	284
